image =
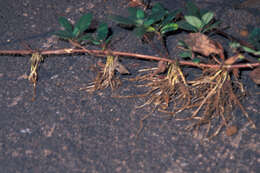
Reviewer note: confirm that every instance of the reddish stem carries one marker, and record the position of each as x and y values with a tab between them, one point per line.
134	55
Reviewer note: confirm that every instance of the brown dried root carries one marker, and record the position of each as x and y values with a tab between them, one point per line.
214	96
171	89
164	91
35	61
106	78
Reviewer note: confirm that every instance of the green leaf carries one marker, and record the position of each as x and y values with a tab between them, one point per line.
183	44
257	53
102	31
108	39
85	37
241	56
150	29
186	54
82	24
65	24
206	18
234	45
96	42
157	8
156	17
249	50
212	26
139	22
76	32
64	35
169	27
149	22
122	20
196	60
140	14
170	17
193	10
132	13
185	26
139	31
194	21
255	33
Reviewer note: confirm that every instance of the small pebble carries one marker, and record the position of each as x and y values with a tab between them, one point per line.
231	130
244	33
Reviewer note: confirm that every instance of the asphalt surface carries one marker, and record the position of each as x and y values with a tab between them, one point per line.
67	130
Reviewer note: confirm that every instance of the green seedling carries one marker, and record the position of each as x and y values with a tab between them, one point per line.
157	20
99	38
76	32
197	20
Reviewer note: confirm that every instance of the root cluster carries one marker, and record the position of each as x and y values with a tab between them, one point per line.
106	77
211	97
214	95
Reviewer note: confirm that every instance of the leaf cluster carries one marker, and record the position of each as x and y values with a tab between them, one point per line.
197	20
157	19
79	32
